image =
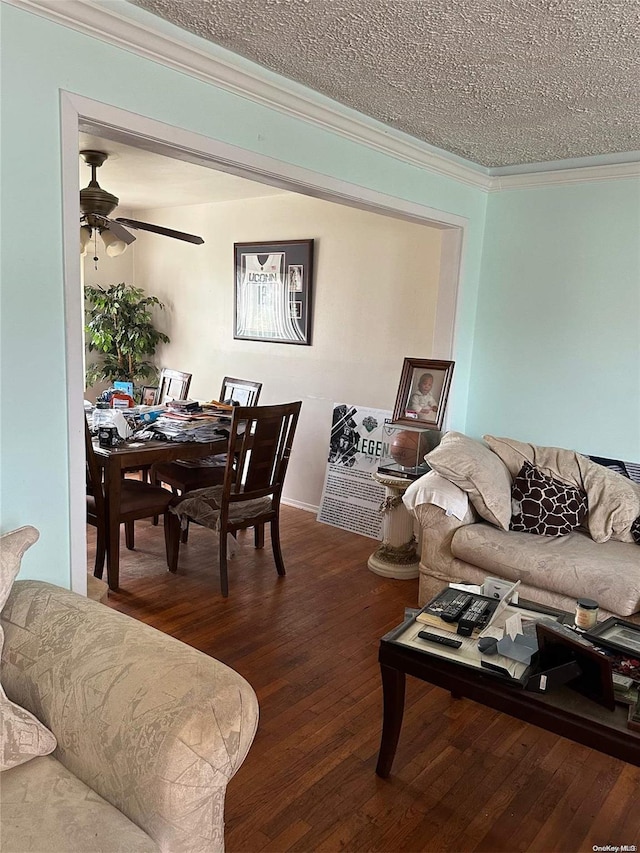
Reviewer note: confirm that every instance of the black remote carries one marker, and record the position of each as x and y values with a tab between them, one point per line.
443	641
455	607
471	617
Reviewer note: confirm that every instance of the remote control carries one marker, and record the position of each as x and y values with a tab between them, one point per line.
443	641
471	617
455	607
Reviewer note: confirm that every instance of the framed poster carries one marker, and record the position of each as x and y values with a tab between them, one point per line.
422	393
273	291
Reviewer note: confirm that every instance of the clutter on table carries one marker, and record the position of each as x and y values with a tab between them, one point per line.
119	417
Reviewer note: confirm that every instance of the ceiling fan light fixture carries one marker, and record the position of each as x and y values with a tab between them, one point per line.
113	245
85	239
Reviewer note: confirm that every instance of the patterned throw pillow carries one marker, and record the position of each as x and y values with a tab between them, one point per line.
635	530
542	505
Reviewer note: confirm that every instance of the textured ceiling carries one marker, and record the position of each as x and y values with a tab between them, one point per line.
498	82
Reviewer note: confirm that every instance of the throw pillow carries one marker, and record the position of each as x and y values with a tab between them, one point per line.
22	736
471	466
545	506
614	500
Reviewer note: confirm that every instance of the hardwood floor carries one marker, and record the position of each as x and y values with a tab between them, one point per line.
465	778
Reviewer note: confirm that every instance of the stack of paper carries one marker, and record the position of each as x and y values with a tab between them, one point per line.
198	427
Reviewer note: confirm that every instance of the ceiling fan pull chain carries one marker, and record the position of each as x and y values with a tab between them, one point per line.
95	248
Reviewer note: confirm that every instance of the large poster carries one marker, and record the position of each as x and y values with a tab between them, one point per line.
351	498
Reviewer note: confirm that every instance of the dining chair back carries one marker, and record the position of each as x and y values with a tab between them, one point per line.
174	384
137	500
261	438
183	478
240	392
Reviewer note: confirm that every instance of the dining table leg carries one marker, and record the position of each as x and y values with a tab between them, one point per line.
112	486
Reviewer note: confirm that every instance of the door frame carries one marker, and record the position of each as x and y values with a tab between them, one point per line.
78	114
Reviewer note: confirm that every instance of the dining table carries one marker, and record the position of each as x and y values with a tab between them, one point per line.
136	453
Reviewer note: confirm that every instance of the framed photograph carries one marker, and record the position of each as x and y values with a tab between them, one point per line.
273	284
591	674
148	395
422	393
618	635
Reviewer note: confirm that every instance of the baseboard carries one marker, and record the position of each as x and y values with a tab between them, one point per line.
300	505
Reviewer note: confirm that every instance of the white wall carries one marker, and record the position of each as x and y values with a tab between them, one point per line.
375	292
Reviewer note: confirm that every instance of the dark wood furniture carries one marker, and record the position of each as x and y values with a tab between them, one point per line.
242	392
174	384
136	499
136	455
262	437
183	479
562	711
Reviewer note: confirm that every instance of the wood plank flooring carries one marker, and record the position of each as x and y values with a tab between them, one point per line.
465	778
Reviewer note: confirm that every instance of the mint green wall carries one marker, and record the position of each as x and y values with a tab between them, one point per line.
40	58
557	345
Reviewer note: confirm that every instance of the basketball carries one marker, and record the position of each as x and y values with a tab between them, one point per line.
408	448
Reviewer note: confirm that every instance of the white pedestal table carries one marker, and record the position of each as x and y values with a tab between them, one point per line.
396	557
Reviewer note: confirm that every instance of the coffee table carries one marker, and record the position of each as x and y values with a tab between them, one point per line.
562	711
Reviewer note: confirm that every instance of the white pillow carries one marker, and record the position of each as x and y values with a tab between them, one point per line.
22	736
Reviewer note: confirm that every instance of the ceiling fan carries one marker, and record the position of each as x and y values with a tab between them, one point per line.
96	204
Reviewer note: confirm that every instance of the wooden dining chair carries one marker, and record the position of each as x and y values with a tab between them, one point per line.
209	472
252	488
185	478
137	500
174	384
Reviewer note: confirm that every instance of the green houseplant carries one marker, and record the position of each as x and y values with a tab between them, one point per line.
120	327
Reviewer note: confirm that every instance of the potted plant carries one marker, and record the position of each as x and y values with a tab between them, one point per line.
120	327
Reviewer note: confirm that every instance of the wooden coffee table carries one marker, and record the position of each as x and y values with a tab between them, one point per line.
563	711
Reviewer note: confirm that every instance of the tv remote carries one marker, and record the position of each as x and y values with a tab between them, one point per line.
455	607
471	617
443	641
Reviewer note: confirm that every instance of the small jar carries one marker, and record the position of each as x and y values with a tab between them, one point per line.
101	415
586	613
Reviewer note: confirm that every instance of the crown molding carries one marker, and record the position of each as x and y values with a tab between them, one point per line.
557	177
105	23
250	81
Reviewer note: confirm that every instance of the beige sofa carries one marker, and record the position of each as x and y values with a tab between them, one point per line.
149	731
551	570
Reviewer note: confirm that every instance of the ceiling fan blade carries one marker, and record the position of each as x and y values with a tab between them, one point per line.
118	231
158	229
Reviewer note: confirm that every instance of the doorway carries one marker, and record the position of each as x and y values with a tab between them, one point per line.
82	114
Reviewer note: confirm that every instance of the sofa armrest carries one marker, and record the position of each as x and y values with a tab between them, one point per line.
438	529
154	726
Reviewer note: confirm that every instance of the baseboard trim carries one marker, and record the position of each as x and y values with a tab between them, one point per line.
300	505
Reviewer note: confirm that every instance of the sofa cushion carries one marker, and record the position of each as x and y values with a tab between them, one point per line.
544	505
45	807
477	471
614	500
572	565
22	736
